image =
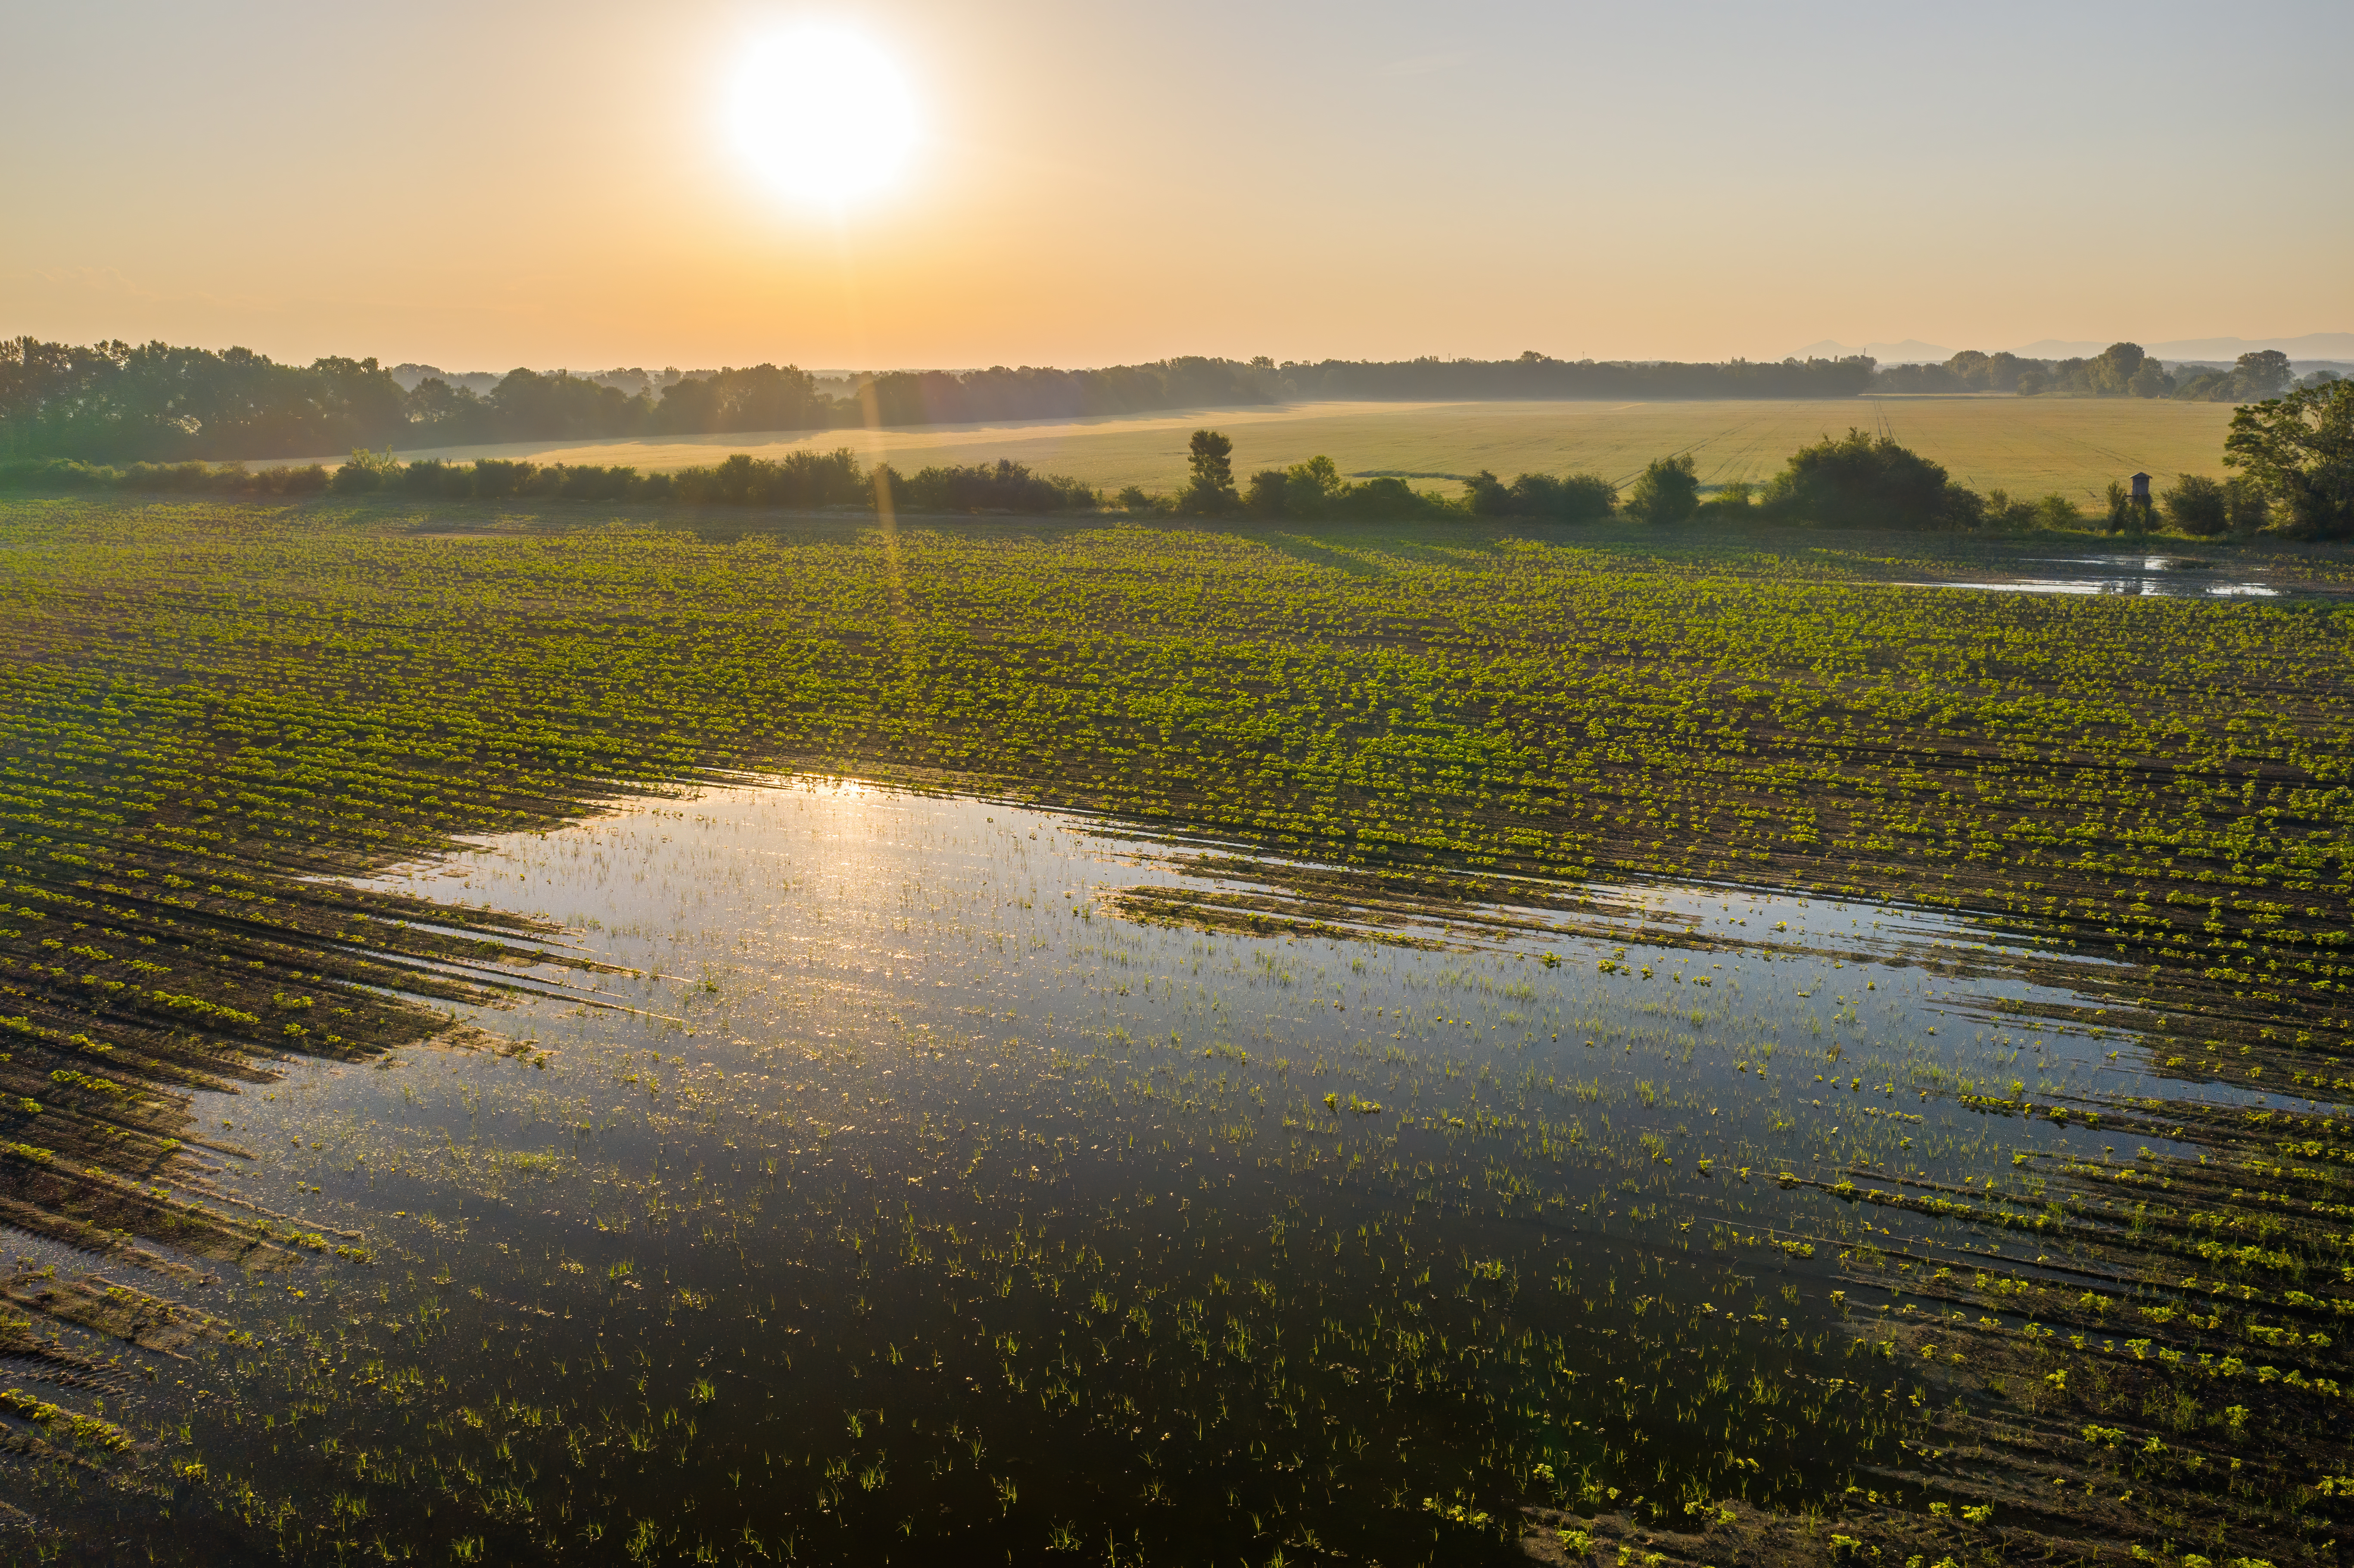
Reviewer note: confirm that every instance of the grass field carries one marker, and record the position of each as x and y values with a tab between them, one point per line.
2028	446
2097	828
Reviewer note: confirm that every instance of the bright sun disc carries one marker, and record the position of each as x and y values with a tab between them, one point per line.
822	115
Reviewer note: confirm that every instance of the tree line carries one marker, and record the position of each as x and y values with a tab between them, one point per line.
116	402
2120	370
1537	376
2293	459
799	480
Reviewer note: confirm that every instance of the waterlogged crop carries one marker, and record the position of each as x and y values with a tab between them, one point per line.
871	1175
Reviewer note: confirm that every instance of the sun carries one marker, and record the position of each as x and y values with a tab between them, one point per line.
822	115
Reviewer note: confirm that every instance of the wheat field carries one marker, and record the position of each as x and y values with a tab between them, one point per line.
2028	446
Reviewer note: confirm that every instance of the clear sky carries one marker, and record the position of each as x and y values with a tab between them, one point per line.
504	181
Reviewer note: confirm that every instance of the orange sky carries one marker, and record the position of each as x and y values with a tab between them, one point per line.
488	185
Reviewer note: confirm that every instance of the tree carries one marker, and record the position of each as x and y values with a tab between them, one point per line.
1308	487
1263	494
1488	496
2113	371
1572	498
1667	492
2261	374
1002	486
2297	452
2196	504
367	471
1856	481
1212	492
757	398
444	415
2055	510
1969	368
2249	508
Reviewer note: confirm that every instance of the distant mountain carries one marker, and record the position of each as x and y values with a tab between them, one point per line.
1911	350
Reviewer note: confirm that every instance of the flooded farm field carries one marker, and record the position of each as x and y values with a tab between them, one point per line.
2148	575
924	1178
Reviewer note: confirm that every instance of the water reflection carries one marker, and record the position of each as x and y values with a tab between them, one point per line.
2160	577
887	1191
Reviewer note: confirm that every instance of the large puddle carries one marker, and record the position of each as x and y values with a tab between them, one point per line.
893	1197
2155	576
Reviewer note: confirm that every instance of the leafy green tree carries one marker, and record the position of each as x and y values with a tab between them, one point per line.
441	415
757	398
2057	511
2248	504
1858	481
1002	486
528	405
1310	487
1667	492
2298	453
1263	495
1570	498
1732	501
2264	373
2197	505
2002	511
1486	496
1212	492
1387	498
2261	374
2114	370
366	471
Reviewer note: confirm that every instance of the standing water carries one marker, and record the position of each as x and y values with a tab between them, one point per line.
888	1194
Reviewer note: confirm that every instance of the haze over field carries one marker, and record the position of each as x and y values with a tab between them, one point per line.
2074	446
533	184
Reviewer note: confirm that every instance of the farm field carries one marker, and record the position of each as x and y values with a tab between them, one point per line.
2028	446
1171	1041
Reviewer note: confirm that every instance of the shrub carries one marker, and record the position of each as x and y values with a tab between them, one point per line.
1002	486
2056	511
363	470
500	476
2002	511
1386	498
2197	505
1667	492
1732	501
1856	481
1572	498
2245	501
797	479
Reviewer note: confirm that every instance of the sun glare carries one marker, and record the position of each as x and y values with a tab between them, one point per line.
822	115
